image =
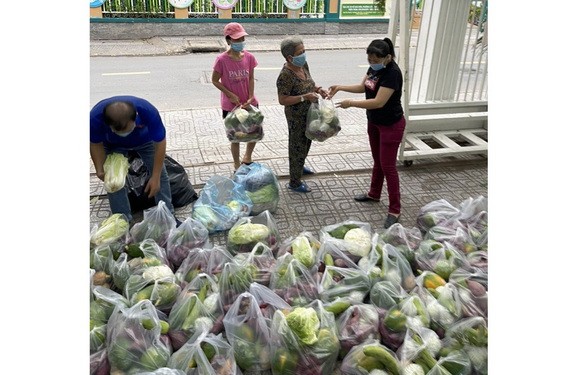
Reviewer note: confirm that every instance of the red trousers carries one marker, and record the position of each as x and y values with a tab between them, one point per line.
384	142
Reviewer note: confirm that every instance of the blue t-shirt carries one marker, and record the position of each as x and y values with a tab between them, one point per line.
148	124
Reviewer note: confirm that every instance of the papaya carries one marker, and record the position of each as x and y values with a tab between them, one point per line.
388	360
395	320
432	280
338	306
340	231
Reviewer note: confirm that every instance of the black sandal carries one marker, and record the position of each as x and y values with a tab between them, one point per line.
365	198
390	220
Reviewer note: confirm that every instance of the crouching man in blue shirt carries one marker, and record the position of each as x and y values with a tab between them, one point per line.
127	123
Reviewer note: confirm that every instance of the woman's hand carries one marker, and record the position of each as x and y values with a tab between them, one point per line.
313	97
344	103
333	90
234	98
247	104
322	92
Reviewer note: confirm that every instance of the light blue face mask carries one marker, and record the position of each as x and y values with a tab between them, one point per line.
300	60
124	134
377	67
238	46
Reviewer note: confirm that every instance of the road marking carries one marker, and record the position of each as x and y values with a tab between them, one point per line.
124	73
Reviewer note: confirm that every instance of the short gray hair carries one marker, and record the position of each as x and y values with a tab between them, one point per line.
288	45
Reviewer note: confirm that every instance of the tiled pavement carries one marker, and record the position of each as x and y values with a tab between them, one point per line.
196	139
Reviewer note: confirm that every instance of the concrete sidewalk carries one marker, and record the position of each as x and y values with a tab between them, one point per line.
196	139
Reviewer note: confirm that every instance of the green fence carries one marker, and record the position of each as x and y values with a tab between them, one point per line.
207	9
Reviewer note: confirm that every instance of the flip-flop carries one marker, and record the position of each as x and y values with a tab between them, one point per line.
303	188
307	170
243	162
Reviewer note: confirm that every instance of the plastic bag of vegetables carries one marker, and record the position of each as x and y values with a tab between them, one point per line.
112	231
268	300
304	247
391	265
164	371
322	121
156	284
247	331
435	213
260	185
221	203
470	336
385	295
357	324
191	312
406	240
189	235
304	341
247	232
134	339
199	260
205	354
260	262
99	363
293	282
137	257
157	223
244	125
370	358
116	166
339	282
354	238
234	280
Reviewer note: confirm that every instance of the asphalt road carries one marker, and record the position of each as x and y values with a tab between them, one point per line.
183	81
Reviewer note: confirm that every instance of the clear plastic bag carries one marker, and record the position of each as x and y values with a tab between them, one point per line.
247	330
268	300
244	125
205	354
368	358
354	238
293	282
189	235
260	185
247	232
199	260
221	203
260	261
156	224
134	339
116	166
304	341
356	325
322	121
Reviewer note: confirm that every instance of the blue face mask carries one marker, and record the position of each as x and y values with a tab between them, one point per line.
377	67
300	60
238	46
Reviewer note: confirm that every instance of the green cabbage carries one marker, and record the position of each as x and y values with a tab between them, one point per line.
248	233
110	230
116	167
302	251
304	322
266	194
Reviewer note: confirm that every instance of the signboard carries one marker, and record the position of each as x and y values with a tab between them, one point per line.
96	3
224	4
181	4
294	4
360	9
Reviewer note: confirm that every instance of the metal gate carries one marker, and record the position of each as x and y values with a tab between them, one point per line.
443	56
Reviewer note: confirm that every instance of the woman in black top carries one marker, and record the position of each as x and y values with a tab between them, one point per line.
382	86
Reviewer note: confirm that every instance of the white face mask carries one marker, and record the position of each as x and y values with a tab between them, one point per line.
126	133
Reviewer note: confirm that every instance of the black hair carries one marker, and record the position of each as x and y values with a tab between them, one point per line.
119	114
381	48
